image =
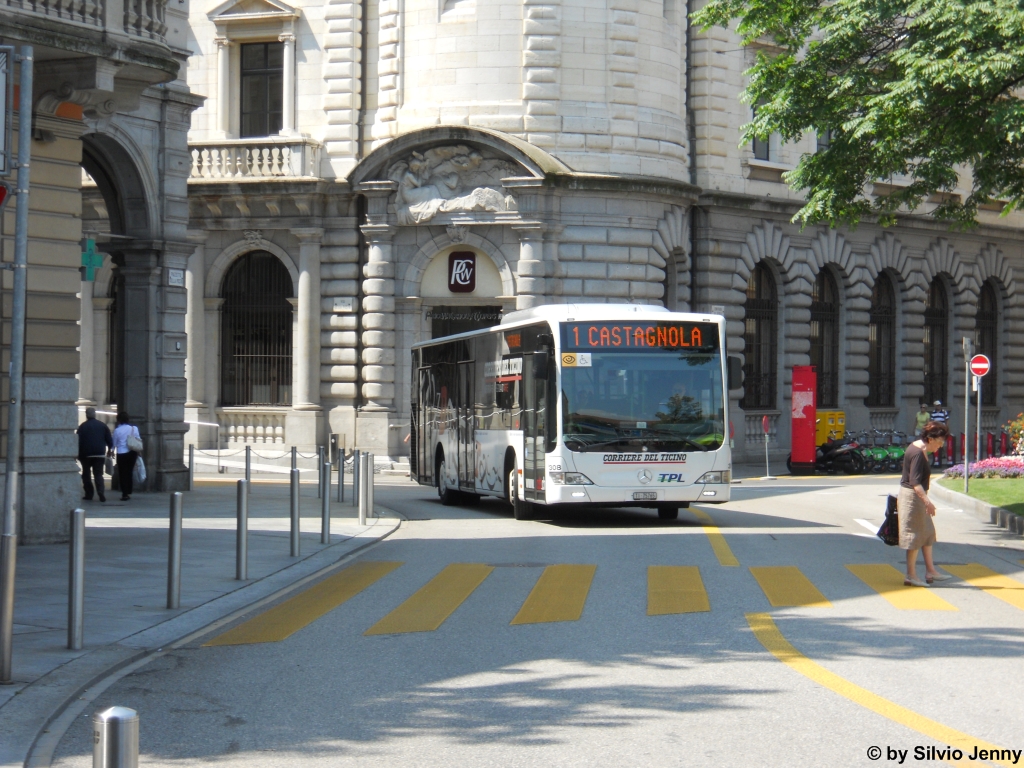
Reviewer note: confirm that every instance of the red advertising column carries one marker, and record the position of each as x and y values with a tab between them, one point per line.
804	417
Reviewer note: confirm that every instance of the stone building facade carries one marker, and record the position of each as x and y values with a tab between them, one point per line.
109	106
573	151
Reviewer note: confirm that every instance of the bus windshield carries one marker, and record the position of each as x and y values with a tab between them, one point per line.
619	398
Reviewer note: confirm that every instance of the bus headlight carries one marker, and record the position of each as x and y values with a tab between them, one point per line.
570	478
716	477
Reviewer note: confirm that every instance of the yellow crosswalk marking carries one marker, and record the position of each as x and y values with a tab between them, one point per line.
293	614
427	610
716	539
558	595
996	584
675	589
767	632
786	586
888	582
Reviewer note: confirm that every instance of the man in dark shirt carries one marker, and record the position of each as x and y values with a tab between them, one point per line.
94	442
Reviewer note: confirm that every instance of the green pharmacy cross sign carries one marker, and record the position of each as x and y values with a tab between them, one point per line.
91	261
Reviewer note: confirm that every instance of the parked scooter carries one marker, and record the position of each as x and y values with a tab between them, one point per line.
835	456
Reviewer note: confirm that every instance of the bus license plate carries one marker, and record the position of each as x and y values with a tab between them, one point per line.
645	495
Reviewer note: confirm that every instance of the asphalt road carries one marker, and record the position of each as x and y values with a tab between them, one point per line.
557	644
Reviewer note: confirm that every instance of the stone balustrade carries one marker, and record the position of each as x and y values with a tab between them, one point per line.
264	158
255	426
140	18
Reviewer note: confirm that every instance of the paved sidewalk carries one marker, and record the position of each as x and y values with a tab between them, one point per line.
126	587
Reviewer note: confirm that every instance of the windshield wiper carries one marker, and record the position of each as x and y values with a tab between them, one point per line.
668	435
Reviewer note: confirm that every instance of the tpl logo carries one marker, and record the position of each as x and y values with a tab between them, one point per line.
671	477
461	271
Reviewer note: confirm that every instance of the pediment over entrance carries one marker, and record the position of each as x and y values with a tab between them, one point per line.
237	10
453	174
451	178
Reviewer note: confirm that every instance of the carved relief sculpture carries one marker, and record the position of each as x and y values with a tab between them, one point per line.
453	179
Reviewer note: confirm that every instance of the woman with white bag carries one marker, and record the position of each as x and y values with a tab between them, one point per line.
128	445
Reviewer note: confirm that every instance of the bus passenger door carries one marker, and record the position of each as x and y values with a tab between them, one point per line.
467	449
534	422
425	427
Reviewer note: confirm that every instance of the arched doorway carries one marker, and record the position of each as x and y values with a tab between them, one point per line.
134	327
256	332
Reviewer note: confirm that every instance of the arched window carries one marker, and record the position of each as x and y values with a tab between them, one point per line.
936	344
761	340
987	329
882	345
256	332
825	338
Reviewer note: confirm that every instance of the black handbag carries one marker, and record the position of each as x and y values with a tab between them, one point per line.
889	532
115	480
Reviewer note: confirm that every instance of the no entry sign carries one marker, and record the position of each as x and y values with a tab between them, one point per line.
980	365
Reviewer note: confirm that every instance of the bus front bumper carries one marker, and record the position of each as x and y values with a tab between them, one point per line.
595	494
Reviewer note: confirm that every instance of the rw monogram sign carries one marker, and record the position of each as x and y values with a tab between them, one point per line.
461	271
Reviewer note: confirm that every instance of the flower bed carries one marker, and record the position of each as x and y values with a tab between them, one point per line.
1004	466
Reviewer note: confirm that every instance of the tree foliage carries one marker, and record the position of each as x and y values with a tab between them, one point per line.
920	89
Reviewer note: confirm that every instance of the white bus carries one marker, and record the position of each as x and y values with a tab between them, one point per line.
586	404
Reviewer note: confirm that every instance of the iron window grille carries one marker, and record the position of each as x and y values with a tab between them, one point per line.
882	345
825	338
256	332
987	329
262	89
761	341
936	344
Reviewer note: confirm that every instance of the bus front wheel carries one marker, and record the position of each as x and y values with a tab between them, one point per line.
445	494
520	507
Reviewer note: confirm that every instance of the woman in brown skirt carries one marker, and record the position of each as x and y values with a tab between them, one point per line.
917	532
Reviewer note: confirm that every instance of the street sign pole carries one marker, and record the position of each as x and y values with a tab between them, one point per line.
977	420
9	535
968	354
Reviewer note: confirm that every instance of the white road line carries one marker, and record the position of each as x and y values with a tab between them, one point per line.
867	524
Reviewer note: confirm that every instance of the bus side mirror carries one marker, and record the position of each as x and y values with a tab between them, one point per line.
735	371
541	360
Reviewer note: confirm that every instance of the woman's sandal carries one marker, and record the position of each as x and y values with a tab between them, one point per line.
938	577
915	583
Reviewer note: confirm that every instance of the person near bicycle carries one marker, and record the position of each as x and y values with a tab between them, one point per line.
921	418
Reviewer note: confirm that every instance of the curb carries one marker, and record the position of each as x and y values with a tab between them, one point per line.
35	720
1003	518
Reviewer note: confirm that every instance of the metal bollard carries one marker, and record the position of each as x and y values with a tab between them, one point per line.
242	531
295	457
320	467
192	467
325	506
115	738
341	476
369	486
174	553
361	496
76	581
356	476
248	463
295	513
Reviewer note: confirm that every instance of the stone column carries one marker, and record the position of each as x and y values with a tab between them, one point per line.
195	325
101	352
288	89
211	351
154	352
86	348
531	286
223	86
306	348
378	320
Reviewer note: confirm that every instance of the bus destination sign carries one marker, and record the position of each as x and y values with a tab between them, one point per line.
665	336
